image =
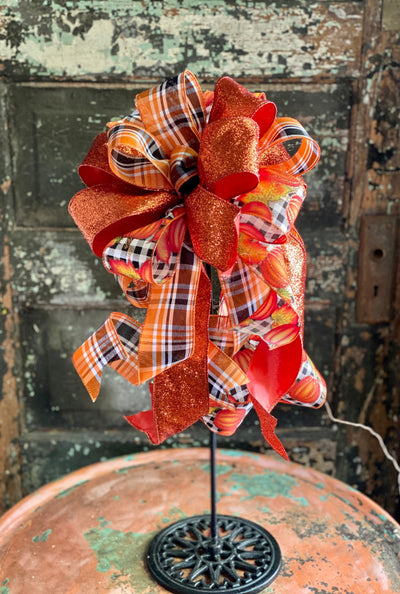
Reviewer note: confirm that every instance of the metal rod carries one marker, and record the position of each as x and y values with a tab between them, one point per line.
213	447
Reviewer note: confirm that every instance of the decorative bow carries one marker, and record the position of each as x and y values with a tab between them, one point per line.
189	178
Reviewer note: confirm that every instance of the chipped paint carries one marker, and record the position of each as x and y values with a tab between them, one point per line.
43	537
277	485
338	75
10	490
139	40
118	553
111	537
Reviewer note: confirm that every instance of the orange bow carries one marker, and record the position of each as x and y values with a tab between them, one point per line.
215	164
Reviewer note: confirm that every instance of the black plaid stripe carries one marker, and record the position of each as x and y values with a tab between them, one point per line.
240	394
270	231
216	386
129	250
316	404
162	270
133	117
178	299
104	349
235	285
174	124
136	167
129	335
138	295
306	369
258	327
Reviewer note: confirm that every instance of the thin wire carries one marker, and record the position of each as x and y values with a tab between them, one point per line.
378	437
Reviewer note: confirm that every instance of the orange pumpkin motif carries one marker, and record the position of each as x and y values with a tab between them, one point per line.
281	335
293	209
146	273
176	233
285	315
250	250
124	268
273	269
306	390
258	209
267	307
147	231
227	421
243	358
272	187
250	231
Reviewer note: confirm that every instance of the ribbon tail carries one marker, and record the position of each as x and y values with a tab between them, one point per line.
180	393
113	344
144	421
91	381
268	424
271	373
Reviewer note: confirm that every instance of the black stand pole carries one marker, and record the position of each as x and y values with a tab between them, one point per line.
213	471
214	553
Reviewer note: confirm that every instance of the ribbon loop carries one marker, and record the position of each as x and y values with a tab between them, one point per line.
175	192
286	130
104	212
183	166
228	159
213	227
232	100
174	112
136	157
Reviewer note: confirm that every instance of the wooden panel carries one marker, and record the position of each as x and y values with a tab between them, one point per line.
142	40
54	126
52	130
10	479
58	268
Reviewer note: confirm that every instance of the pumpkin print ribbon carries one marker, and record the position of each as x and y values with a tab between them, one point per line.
188	178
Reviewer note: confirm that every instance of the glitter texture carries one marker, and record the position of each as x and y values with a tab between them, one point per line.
103	212
213	228
228	158
295	256
232	100
95	169
180	394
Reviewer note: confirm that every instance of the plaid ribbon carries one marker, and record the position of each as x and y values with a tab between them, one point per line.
283	132
168	334
156	147
115	343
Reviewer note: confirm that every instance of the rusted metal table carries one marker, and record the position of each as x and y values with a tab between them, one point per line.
88	532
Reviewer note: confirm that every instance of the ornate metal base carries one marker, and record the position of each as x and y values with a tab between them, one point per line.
243	558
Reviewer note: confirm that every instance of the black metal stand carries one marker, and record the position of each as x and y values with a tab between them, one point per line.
214	552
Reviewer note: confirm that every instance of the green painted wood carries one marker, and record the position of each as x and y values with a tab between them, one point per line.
53	127
57	268
125	39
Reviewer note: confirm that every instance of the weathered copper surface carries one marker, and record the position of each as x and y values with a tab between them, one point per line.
88	532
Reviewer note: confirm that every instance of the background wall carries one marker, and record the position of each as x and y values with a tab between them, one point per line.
68	67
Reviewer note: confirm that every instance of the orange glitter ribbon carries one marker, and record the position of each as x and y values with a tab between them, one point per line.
177	183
